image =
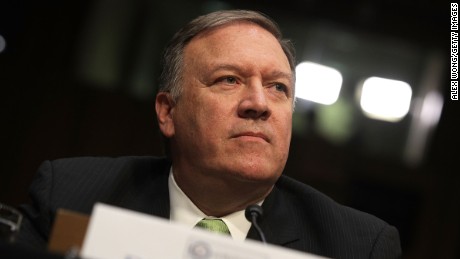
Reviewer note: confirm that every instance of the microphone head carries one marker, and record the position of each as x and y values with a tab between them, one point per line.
253	210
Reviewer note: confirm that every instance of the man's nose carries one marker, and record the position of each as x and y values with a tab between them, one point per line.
254	104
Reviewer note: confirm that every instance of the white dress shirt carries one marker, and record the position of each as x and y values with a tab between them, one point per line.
184	211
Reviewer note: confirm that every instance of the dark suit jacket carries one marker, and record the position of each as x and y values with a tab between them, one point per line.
295	215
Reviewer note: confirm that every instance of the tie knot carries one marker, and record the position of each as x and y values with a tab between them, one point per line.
214	225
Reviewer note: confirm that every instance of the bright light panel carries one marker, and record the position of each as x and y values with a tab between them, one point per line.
431	109
317	83
385	99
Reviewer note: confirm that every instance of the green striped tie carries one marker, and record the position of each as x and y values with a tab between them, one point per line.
214	225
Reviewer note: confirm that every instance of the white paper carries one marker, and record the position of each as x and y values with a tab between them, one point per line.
116	233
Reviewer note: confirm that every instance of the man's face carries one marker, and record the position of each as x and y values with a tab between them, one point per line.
233	119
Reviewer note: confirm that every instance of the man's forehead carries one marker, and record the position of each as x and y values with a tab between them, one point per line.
242	38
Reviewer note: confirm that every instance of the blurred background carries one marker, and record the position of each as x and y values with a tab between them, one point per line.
78	78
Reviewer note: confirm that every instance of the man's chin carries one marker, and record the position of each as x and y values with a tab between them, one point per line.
256	176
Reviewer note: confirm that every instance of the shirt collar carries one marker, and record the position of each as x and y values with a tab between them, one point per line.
184	211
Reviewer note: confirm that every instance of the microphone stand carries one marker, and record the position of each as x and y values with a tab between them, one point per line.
252	213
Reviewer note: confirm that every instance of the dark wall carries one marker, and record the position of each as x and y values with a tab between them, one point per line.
49	110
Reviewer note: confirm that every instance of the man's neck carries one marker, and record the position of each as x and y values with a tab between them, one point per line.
219	197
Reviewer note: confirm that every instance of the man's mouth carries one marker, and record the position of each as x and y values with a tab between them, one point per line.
252	135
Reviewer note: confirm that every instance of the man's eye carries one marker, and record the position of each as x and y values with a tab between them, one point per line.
229	80
281	87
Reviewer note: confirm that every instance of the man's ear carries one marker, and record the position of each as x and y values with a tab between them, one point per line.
164	107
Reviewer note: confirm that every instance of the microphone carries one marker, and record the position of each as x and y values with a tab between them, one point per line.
252	213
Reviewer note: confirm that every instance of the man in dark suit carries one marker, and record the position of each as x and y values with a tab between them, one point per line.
225	108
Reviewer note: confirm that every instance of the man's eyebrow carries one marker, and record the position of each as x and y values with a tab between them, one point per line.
281	74
231	67
216	67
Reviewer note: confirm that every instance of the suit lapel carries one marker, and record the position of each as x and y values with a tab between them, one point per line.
276	223
159	198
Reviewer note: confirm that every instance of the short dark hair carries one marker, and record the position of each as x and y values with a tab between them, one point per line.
171	76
